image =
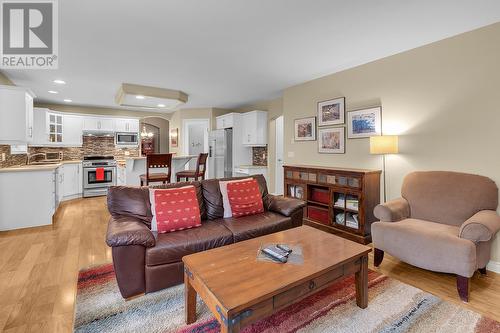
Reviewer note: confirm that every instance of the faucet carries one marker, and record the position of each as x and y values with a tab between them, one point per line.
29	156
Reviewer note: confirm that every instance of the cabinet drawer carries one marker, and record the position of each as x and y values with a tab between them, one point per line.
306	288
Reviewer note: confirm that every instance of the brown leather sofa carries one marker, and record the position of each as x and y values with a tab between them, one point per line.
146	261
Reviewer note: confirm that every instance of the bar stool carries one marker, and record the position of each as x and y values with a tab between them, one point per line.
201	166
157	161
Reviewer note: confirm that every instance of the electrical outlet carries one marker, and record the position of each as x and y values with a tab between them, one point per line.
3	157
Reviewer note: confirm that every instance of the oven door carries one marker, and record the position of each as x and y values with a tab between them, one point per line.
126	139
92	177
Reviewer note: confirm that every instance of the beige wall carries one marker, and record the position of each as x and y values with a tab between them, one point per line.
274	109
443	100
4	80
163	125
179	116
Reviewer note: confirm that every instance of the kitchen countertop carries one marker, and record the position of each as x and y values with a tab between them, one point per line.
175	157
38	167
253	166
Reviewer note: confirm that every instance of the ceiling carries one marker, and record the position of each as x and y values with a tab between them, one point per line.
228	53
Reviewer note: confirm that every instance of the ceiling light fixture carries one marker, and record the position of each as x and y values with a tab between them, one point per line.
59	82
67	100
133	95
53	92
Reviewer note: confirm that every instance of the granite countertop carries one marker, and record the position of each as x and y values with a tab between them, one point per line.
38	167
253	166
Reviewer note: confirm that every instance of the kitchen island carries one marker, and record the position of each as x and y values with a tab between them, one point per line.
136	166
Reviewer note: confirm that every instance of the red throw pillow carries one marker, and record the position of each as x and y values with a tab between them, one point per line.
245	198
174	209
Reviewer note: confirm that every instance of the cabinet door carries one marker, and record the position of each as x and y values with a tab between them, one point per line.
249	130
40	133
133	125
73	130
29	117
55	128
121	125
90	123
71	180
106	124
255	128
13	113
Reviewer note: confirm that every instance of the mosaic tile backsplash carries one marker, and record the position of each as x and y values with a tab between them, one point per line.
92	145
259	156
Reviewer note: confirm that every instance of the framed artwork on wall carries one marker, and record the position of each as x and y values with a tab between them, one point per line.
174	137
331	112
305	129
331	140
364	123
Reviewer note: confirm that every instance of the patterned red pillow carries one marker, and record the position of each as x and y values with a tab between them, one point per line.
174	209
245	198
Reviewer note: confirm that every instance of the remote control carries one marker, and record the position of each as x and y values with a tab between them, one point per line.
275	255
285	248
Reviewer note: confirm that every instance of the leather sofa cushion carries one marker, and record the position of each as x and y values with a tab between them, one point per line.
172	246
252	226
130	201
213	196
429	245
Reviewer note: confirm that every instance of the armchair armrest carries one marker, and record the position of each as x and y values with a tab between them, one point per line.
392	211
127	230
284	206
480	227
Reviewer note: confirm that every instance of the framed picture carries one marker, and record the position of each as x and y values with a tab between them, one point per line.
331	140
364	123
331	112
305	129
174	137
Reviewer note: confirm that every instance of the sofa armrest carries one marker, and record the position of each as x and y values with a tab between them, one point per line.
284	206
480	227
127	230
392	211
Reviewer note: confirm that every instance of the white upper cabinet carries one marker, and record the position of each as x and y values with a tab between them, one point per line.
254	128
225	121
72	130
16	115
57	129
98	124
127	125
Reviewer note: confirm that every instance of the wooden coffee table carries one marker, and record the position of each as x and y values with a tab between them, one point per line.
239	289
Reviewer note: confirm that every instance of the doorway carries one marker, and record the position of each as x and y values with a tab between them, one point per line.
279	176
195	138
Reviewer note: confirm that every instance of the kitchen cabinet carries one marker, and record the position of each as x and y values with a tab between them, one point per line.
16	115
72	180
98	124
224	121
127	125
254	128
59	186
56	129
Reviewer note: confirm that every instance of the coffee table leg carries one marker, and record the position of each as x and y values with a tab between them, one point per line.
189	300
361	278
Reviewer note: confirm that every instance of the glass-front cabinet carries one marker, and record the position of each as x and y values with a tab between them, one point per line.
55	127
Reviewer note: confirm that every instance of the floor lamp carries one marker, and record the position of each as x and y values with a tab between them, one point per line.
383	145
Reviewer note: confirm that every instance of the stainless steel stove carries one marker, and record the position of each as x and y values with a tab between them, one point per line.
99	173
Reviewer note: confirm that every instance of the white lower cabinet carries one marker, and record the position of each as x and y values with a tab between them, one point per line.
72	180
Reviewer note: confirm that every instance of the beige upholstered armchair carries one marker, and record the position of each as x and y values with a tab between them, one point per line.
444	222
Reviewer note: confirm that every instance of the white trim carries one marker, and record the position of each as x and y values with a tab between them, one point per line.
493	266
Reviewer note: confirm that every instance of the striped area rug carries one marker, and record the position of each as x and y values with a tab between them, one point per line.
393	307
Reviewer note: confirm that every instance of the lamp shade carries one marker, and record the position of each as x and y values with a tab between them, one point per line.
384	144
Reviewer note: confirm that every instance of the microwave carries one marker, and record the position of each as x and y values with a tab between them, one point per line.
126	139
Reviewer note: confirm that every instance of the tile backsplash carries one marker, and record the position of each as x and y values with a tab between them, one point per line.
92	145
259	156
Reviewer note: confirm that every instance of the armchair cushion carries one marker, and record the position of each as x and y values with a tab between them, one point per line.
481	227
128	230
282	205
392	211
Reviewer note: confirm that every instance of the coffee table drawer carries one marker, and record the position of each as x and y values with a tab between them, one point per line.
306	288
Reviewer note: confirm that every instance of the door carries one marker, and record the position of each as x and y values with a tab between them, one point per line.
195	138
279	175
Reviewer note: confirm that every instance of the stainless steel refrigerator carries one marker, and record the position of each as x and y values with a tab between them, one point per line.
220	153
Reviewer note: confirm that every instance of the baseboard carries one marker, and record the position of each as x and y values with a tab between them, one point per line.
493	266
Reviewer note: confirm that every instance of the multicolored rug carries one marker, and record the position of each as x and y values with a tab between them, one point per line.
393	307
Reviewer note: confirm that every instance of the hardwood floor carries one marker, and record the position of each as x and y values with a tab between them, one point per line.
39	269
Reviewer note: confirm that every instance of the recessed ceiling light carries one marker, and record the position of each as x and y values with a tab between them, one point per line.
139	97
53	92
161	105
68	100
59	81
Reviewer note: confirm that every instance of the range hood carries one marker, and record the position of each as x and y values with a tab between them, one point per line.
98	133
133	95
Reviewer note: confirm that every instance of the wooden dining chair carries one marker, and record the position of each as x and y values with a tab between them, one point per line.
157	161
201	167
